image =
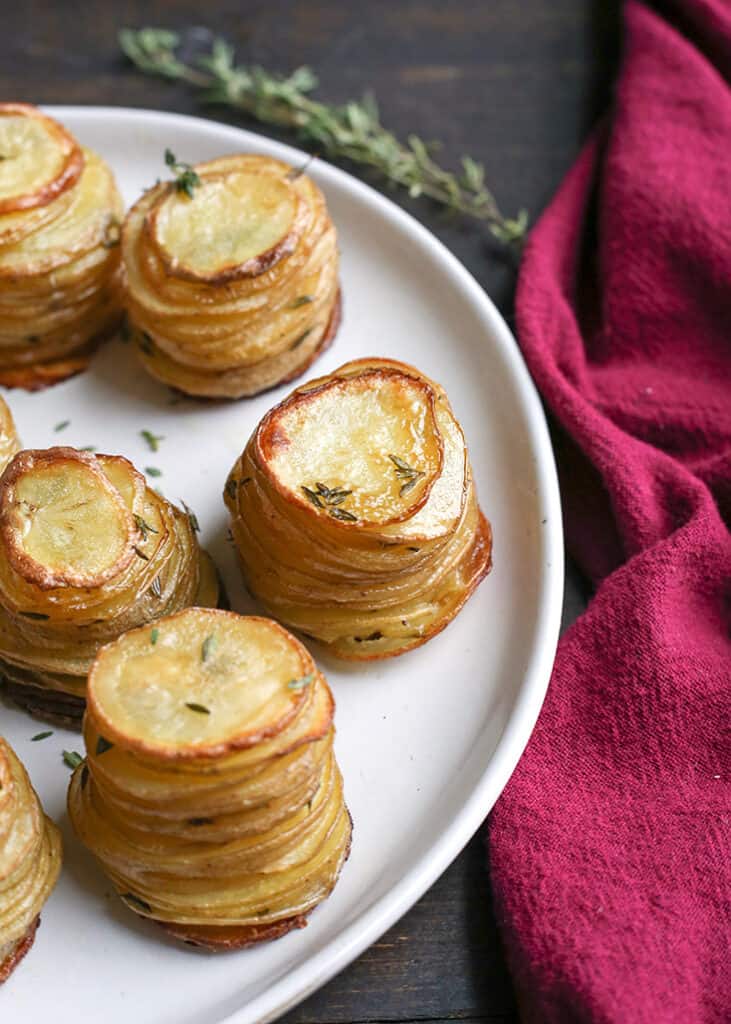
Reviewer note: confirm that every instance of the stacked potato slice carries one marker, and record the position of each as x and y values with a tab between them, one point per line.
354	511
8	437
232	285
30	860
210	793
87	551
60	216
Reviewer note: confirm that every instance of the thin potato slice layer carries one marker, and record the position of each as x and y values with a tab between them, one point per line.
30	860
354	511
210	792
87	551
232	289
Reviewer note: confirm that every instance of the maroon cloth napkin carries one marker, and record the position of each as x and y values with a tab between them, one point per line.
610	848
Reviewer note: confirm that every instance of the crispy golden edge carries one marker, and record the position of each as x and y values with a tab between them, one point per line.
242	742
69	174
11	962
26	567
267	437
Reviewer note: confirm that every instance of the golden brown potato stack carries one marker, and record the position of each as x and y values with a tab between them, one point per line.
60	217
232	283
30	860
354	511
210	793
87	551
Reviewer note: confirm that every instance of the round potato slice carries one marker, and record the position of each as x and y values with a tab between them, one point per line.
62	522
363	450
235	225
208	682
40	159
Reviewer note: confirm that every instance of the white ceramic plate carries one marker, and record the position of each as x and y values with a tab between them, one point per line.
427	741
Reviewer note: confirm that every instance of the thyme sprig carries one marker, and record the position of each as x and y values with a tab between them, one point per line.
350	131
407	473
186	179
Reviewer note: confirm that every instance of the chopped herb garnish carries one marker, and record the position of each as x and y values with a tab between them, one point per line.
301	300
192	517
141	554
154	635
200	708
146	343
207	647
186	179
156	587
130	897
72	759
88	448
143	527
61	426
41	736
302	682
153	471
300	338
39	616
102	746
330	498
343	514
407	473
153	440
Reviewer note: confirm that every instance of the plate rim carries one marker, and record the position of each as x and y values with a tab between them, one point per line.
350	941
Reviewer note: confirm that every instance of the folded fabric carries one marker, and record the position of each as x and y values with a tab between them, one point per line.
610	849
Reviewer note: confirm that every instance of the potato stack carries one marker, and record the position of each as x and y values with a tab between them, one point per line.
210	792
87	551
30	860
60	217
354	512
231	276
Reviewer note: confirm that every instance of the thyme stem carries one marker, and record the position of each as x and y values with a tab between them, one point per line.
351	131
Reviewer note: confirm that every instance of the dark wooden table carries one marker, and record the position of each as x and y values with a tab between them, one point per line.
516	84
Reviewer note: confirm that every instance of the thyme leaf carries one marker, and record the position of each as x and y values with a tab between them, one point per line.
302	682
200	708
208	646
72	758
153	440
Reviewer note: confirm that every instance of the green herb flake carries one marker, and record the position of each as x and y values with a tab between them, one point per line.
72	758
153	440
41	736
192	518
143	527
186	179
200	708
301	300
208	646
36	616
88	448
61	426
141	554
301	683
153	471
129	897
154	635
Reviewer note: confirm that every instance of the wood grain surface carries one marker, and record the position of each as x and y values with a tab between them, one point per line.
518	85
